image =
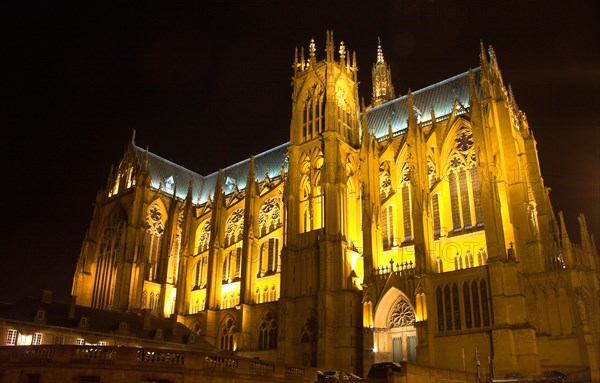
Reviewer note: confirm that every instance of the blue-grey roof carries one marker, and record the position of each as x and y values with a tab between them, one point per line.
175	179
237	174
440	97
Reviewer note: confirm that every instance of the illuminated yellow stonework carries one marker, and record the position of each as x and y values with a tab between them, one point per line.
415	229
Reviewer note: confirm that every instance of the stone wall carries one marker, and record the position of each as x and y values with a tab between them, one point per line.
124	364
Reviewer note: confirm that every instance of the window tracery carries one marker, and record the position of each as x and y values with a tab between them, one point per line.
228	330
312	201
232	264
204	238
463	179
108	258
234	227
200	272
407	176
153	240
267	333
268	262
401	315
269	217
313	113
387	225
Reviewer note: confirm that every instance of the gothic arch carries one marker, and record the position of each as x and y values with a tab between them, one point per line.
448	144
156	217
108	258
234	227
226	334
203	236
270	215
386	184
386	304
268	331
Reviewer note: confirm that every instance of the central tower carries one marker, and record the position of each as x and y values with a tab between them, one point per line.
321	261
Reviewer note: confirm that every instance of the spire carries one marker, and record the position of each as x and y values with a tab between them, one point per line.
586	245
219	185
483	59
354	66
566	247
379	52
342	52
189	196
473	98
383	89
296	64
251	170
311	53
412	116
566	241
329	46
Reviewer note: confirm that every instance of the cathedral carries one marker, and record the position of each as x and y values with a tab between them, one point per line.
415	229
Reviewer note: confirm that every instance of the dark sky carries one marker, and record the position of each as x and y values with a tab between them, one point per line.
207	85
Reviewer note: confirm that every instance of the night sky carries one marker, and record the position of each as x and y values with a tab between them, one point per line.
208	85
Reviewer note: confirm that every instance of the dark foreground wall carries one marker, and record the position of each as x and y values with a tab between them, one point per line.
22	364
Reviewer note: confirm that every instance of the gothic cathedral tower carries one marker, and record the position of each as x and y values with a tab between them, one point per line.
321	300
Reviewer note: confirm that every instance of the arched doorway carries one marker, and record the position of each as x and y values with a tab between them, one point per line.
395	333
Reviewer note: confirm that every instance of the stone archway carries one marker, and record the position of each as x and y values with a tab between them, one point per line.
395	336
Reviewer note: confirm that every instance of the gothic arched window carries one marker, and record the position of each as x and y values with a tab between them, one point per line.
405	186
463	179
269	217
456	307
226	340
200	272
268	261
234	227
204	237
385	182
109	255
448	307
267	333
387	225
467	300
313	113
440	308
153	241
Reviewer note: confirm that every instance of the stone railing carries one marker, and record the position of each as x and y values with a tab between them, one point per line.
401	269
118	364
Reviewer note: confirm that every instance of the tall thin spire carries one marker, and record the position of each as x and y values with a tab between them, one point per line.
383	89
380	59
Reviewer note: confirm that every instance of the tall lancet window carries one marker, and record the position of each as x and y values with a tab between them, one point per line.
313	113
311	198
153	241
108	258
200	272
387	226
464	185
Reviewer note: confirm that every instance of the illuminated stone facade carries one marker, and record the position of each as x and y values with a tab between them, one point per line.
415	229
